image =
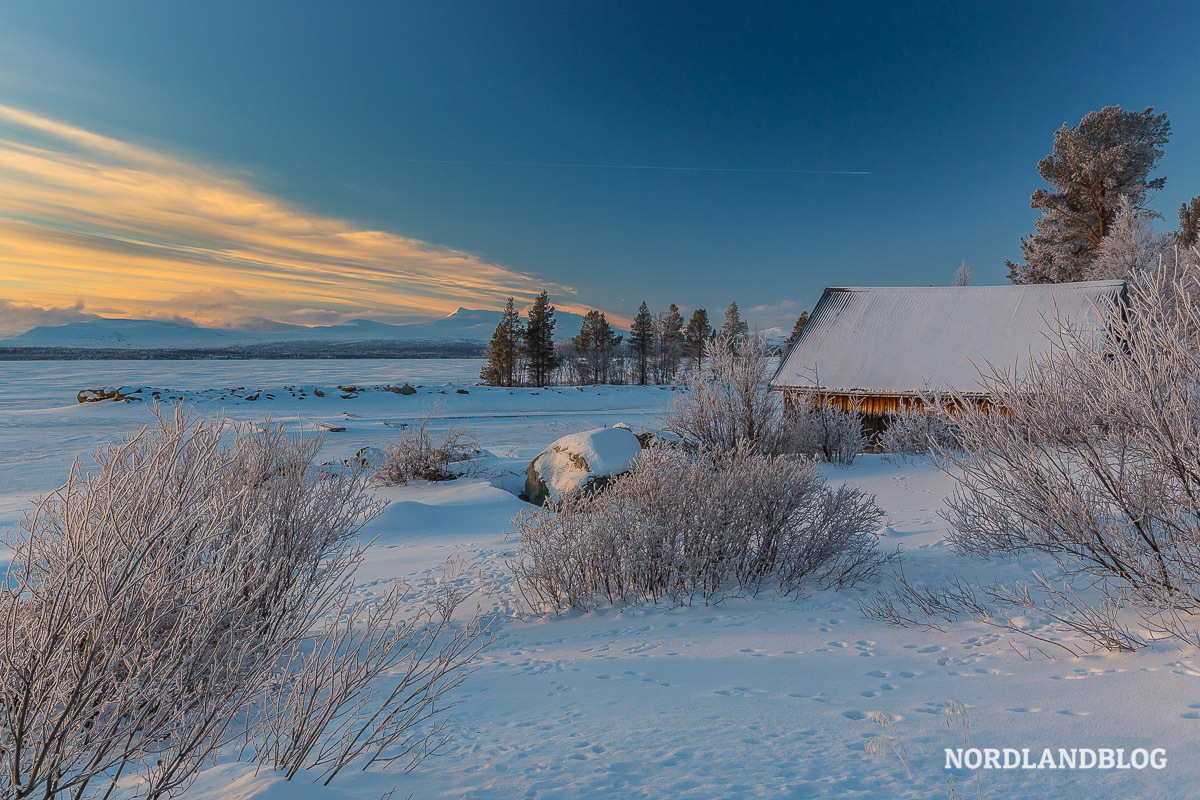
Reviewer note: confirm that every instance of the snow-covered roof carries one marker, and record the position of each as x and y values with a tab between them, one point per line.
906	339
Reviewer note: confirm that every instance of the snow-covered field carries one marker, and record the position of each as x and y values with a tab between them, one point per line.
751	698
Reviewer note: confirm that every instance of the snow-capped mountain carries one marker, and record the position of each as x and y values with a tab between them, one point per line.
464	325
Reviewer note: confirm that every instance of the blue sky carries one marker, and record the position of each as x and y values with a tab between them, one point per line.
345	114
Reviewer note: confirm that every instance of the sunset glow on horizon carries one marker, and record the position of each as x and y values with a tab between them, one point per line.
95	226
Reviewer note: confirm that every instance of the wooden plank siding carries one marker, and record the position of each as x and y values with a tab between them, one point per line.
876	410
870	405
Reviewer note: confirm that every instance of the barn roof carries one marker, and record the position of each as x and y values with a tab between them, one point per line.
908	339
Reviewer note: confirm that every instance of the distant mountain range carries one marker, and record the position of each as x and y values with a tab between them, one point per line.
464	326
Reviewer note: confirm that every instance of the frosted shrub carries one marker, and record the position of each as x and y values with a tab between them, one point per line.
369	687
417	455
150	603
679	527
727	403
1090	459
919	431
823	430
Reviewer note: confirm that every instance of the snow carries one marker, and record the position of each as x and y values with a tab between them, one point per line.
906	339
755	697
604	452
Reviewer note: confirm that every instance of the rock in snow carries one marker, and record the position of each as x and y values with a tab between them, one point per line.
578	461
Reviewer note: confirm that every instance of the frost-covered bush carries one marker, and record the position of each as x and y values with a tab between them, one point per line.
1092	459
678	527
417	455
727	403
150	603
825	431
919	431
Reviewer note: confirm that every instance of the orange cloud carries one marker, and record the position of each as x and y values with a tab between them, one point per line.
139	232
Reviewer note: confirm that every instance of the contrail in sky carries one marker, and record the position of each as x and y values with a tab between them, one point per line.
644	167
633	166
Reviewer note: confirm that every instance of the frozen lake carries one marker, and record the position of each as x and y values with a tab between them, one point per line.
42	384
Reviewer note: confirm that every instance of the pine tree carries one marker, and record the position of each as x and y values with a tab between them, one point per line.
1107	157
641	335
1189	224
668	343
797	329
735	328
504	349
695	338
539	340
597	345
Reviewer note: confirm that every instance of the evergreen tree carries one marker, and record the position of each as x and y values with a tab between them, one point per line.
641	336
504	350
1091	168
1189	224
695	338
597	345
539	340
668	343
797	329
735	328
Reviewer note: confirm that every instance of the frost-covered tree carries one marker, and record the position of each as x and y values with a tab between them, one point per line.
695	338
1131	247
570	370
735	328
641	336
504	351
596	345
963	275
797	329
539	340
1092	166
728	403
1189	224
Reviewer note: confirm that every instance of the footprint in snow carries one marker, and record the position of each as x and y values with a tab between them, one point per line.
740	691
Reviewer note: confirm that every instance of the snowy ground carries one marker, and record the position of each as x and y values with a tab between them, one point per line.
751	698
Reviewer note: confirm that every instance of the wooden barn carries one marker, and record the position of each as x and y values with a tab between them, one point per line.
881	348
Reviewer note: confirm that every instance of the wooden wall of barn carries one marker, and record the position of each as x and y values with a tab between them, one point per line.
876	409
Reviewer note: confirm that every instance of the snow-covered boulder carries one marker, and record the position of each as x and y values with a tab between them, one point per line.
579	461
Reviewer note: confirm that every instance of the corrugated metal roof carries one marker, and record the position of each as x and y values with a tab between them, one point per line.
906	339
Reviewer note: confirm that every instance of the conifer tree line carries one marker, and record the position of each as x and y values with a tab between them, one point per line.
1095	222
659	347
